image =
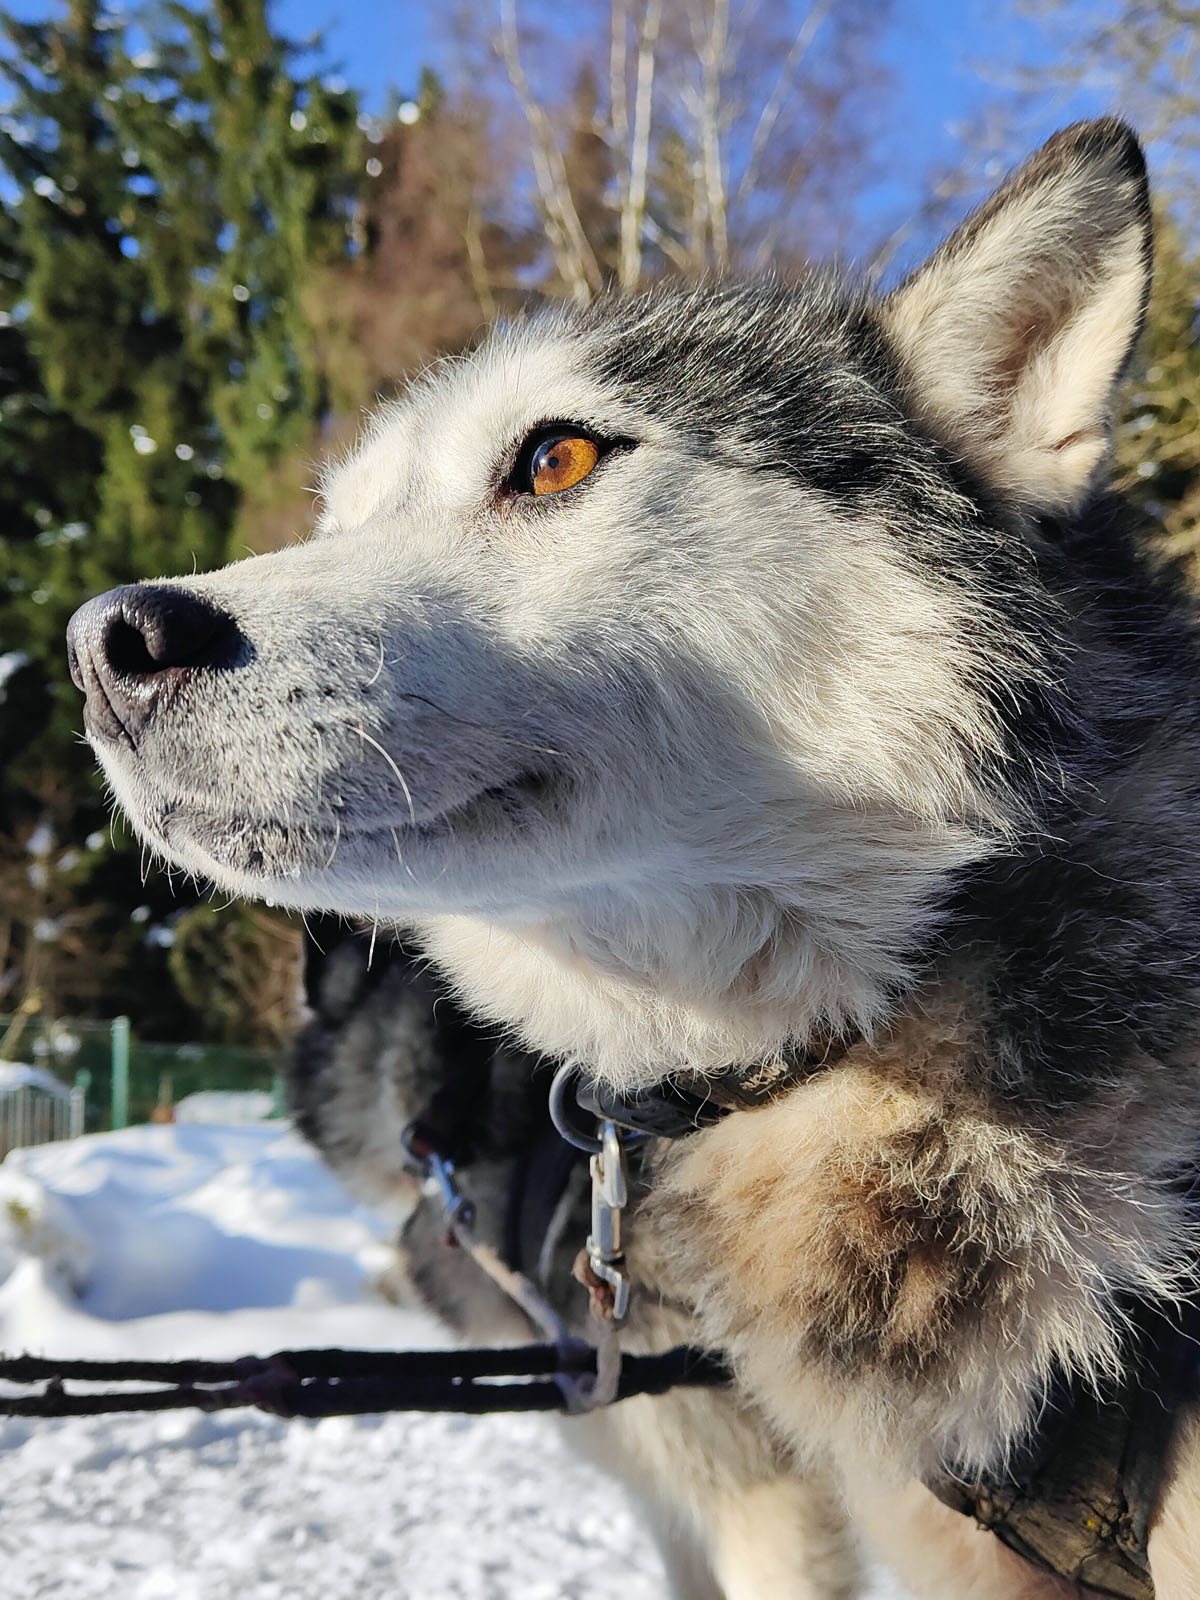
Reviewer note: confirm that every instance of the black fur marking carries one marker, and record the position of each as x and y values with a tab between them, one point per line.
1096	917
758	373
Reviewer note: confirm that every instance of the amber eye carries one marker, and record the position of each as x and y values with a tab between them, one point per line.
560	460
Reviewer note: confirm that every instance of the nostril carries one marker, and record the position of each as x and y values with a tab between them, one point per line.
125	650
154	628
73	666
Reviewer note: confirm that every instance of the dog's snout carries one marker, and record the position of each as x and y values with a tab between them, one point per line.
126	647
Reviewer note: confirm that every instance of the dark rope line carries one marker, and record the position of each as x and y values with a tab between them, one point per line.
328	1383
519	1360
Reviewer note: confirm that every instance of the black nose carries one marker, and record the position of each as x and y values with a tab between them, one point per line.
128	647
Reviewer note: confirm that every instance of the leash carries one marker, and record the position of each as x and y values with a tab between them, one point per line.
564	1374
600	1266
582	1389
341	1383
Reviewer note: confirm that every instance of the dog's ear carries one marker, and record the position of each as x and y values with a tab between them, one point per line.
1014	334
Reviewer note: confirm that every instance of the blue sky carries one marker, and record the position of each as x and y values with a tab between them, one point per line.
376	46
942	54
935	48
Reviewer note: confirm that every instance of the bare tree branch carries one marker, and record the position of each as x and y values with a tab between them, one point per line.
703	97
634	208
676	253
774	104
618	94
573	255
712	48
942	192
477	262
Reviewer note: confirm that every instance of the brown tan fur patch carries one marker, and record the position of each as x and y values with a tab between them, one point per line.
896	1263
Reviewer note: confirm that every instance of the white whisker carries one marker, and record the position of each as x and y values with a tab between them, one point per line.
308	931
375	745
379	668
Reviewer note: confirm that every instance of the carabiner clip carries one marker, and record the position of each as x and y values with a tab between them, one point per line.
610	1196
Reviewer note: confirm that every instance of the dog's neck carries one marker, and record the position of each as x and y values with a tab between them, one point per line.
632	1027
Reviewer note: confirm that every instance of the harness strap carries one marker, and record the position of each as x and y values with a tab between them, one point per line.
1079	1503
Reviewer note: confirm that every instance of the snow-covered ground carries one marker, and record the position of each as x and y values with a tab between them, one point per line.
201	1240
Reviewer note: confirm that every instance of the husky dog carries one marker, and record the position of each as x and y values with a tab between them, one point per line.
733	1516
709	676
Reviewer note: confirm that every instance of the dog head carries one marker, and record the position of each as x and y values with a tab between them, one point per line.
658	660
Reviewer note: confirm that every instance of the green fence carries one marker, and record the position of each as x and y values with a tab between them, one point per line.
126	1075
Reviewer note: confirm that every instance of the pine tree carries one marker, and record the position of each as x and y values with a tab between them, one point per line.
1158	441
284	149
80	338
155	360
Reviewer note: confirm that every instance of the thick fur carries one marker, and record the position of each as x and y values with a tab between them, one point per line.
735	1517
836	700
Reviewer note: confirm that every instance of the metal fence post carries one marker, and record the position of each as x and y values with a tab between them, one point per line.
79	1095
120	1072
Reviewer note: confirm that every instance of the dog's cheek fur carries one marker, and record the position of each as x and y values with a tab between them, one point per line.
894	1262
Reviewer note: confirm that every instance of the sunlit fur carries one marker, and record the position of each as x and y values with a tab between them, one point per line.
837	700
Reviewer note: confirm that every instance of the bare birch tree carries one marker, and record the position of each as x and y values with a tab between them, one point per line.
719	115
635	139
573	255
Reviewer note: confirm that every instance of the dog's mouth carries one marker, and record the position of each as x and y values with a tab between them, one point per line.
264	850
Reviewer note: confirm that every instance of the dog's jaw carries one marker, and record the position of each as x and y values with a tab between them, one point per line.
325	865
636	965
640	987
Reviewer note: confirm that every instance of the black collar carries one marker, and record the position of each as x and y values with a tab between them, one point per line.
678	1105
673	1108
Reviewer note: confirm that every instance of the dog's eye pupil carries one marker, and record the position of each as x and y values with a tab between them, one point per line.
561	461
